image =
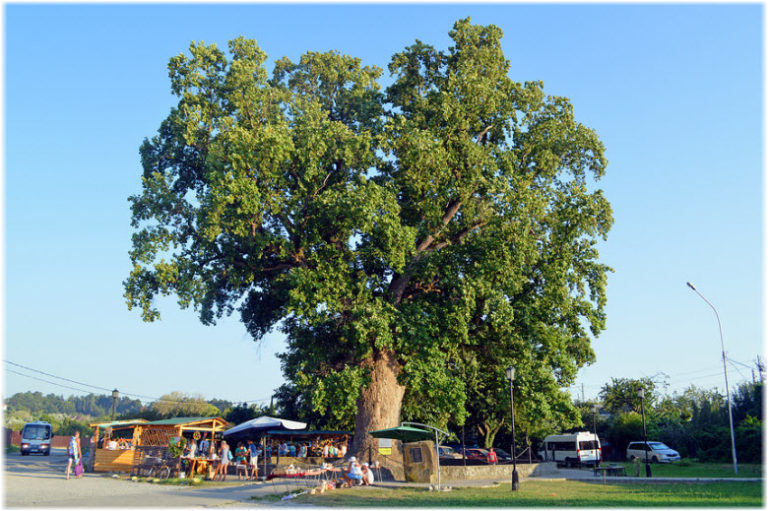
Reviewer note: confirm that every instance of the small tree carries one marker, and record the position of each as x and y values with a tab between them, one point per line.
621	395
178	404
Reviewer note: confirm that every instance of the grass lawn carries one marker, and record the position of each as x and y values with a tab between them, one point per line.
688	468
549	494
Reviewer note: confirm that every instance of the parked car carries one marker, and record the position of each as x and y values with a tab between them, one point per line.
658	452
475	453
449	453
503	456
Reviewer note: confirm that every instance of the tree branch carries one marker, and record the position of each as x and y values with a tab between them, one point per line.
483	133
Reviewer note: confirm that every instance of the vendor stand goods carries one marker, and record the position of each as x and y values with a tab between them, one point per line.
142	447
321	445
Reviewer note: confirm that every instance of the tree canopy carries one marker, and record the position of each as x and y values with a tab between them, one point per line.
410	242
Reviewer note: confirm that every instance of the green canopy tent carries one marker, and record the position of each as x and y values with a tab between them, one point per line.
406	432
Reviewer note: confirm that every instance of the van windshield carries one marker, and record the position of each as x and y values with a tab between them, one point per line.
36	432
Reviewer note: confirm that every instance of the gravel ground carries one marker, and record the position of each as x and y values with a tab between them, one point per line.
32	481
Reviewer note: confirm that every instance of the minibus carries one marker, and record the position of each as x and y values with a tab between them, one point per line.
572	449
36	437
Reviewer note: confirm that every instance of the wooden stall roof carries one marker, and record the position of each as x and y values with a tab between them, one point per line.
216	423
119	424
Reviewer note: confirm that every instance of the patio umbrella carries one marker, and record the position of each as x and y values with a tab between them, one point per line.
404	434
261	424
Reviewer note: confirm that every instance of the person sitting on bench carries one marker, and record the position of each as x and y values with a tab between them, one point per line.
353	475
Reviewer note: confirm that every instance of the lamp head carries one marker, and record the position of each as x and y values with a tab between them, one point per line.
691	286
115	393
641	393
510	373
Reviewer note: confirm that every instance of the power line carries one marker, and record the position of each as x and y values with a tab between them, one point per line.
736	367
46	381
729	359
155	399
54	376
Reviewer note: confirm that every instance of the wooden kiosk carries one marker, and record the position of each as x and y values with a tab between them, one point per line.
139	439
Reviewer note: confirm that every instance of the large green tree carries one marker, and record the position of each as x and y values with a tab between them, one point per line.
401	239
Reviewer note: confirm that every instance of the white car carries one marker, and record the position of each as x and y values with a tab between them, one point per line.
658	452
447	452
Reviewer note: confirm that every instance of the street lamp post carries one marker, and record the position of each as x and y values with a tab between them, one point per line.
641	394
511	377
115	393
594	426
725	372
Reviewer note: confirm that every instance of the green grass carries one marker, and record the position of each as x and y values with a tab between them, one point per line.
689	468
550	494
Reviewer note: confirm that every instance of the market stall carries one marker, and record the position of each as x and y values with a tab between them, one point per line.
122	446
112	445
258	428
314	446
156	439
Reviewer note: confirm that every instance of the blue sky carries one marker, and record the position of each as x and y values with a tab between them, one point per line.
674	91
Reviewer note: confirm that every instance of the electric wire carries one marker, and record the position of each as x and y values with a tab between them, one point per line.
46	381
54	376
155	399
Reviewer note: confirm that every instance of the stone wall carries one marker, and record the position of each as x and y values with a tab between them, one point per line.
475	472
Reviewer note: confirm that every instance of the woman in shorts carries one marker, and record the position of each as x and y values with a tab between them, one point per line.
223	461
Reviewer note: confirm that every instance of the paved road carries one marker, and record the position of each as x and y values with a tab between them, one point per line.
39	481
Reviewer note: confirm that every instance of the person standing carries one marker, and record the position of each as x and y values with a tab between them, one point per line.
190	451
241	460
73	453
254	459
205	447
224	454
492	458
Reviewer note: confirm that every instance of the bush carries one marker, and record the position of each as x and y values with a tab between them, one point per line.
749	440
715	445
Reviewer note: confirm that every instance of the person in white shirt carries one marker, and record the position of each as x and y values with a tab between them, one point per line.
191	449
367	475
354	475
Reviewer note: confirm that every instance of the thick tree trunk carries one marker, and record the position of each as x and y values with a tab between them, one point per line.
379	404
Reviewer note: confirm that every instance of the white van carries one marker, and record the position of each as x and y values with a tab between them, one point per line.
36	437
572	449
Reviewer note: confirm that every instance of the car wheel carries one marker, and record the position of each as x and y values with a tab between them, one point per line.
655	459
